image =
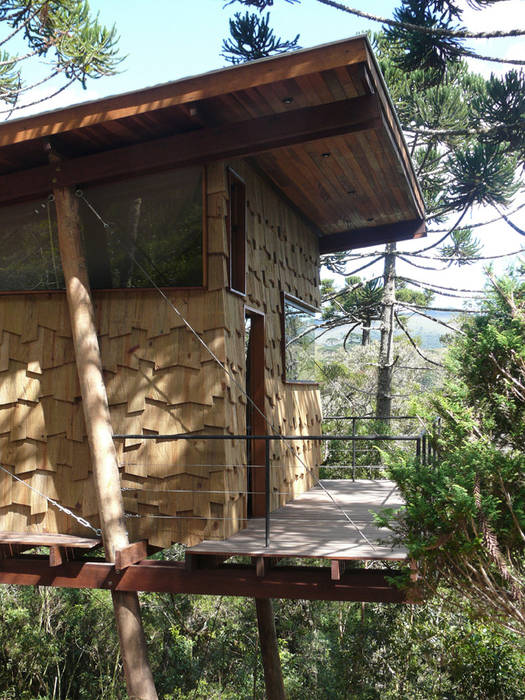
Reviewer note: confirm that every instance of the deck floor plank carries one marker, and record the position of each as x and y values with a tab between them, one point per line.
314	526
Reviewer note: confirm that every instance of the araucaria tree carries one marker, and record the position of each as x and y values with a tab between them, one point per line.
72	45
466	137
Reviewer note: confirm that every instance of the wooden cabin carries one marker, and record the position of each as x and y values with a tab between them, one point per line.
204	203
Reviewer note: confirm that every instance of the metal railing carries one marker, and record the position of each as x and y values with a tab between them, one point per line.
424	451
374	438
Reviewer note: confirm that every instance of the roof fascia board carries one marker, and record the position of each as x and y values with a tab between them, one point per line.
187	90
373	235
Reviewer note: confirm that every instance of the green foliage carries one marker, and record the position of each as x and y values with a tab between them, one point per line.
253	38
488	365
483	173
465	132
502	106
62	644
58	644
65	34
418	49
465	515
413	296
463	247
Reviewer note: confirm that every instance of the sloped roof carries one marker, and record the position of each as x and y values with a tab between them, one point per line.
319	122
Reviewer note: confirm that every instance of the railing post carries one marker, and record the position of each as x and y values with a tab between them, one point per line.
268	491
418	449
353	449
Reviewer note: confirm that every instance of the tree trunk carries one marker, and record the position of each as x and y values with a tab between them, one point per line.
365	335
139	678
273	676
386	349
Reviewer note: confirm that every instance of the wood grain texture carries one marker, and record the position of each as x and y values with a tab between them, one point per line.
160	379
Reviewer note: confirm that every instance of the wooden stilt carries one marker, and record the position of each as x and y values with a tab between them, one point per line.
139	678
273	676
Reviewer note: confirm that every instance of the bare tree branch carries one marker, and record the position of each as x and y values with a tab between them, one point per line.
457	34
414	344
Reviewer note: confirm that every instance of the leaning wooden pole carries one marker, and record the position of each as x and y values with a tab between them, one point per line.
139	678
273	676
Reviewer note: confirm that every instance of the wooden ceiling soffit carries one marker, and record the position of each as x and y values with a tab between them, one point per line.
199	146
374	235
188	90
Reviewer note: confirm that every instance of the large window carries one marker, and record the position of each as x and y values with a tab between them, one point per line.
300	328
135	231
30	257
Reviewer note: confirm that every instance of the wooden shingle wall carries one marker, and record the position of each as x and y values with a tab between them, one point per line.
282	256
159	379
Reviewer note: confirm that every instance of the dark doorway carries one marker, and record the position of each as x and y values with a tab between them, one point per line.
255	412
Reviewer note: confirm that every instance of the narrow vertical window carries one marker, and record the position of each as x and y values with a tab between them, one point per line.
237	232
300	327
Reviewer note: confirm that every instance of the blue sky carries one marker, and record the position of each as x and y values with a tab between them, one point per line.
169	39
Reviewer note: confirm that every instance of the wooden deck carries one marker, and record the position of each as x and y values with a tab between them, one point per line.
314	525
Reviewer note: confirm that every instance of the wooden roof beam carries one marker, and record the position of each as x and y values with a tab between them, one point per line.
200	146
373	235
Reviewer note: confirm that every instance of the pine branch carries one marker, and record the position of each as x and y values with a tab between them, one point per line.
491	59
464	132
15	93
481	223
440	292
507	220
480	257
414	344
37	102
20	27
454	227
434	287
436	320
440	308
425	267
455	34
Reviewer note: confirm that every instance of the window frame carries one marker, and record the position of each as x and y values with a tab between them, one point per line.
308	308
237	254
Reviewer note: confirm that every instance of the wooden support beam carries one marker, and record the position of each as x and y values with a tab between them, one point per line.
300	582
373	235
337	568
262	564
139	678
198	562
131	554
273	675
59	555
198	147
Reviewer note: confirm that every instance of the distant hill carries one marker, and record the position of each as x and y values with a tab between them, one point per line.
429	333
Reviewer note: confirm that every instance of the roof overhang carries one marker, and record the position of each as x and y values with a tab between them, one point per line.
319	122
